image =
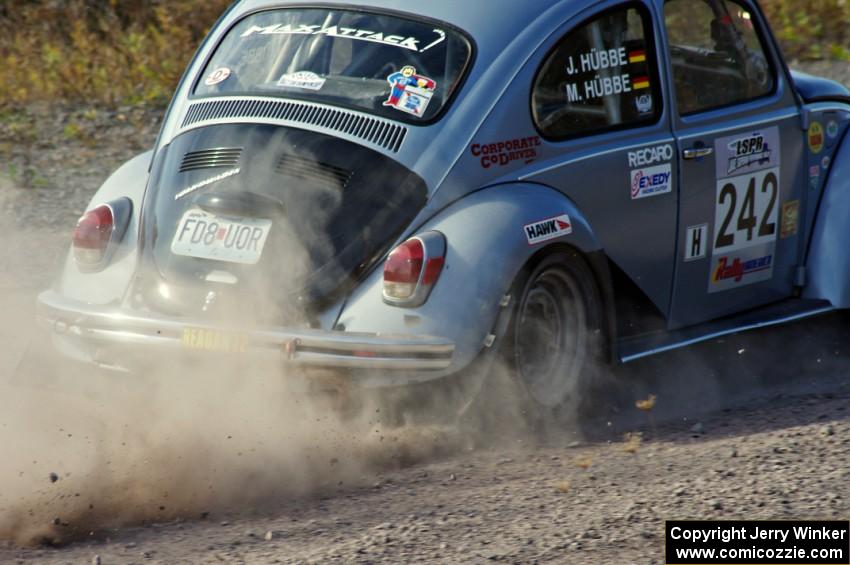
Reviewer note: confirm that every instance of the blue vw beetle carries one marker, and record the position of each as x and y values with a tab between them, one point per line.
395	194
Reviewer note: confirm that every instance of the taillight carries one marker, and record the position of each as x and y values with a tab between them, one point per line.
412	268
97	233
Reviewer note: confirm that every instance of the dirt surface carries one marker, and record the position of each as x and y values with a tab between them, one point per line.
751	426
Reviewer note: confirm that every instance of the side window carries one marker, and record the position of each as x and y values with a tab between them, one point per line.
716	54
601	76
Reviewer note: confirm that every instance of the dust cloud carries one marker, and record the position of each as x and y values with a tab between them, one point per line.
82	452
181	444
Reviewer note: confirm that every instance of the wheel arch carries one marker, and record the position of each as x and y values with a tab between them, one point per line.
828	255
487	248
598	263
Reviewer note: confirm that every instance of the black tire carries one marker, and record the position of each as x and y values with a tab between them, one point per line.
555	341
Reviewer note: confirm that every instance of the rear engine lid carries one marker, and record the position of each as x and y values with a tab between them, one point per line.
269	219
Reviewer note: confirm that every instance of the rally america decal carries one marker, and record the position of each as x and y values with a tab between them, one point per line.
551	228
410	43
746	210
410	92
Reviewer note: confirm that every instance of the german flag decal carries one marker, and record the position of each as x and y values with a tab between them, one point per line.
639	83
638	56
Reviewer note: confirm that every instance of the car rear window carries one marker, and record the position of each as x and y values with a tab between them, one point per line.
397	67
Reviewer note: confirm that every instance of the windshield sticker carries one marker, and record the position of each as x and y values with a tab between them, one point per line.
826	162
441	37
411	92
302	79
815	137
504	152
218	76
410	43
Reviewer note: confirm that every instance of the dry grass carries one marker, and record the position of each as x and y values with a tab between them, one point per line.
102	51
112	52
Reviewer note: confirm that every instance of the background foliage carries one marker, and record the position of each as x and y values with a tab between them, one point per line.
130	51
107	51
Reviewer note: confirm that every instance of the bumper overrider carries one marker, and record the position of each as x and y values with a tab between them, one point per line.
104	328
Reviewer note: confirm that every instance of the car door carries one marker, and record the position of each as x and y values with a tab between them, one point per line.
740	154
598	104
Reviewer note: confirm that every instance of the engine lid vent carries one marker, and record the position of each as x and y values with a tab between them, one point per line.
222	157
382	133
312	171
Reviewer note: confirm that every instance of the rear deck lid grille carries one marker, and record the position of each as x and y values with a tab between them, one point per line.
222	157
312	171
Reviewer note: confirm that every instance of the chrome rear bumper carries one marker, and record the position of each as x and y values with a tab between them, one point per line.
109	326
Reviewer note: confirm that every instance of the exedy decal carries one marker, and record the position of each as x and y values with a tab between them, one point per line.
410	43
551	228
651	181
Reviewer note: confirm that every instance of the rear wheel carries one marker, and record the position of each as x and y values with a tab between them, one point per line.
555	339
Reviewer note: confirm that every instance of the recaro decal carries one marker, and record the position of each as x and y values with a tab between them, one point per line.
550	228
746	209
650	155
502	153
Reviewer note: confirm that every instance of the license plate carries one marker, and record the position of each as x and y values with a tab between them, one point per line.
213	340
207	236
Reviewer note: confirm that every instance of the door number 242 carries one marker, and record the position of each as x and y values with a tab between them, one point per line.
746	212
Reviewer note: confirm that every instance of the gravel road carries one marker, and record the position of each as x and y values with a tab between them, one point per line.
753	426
